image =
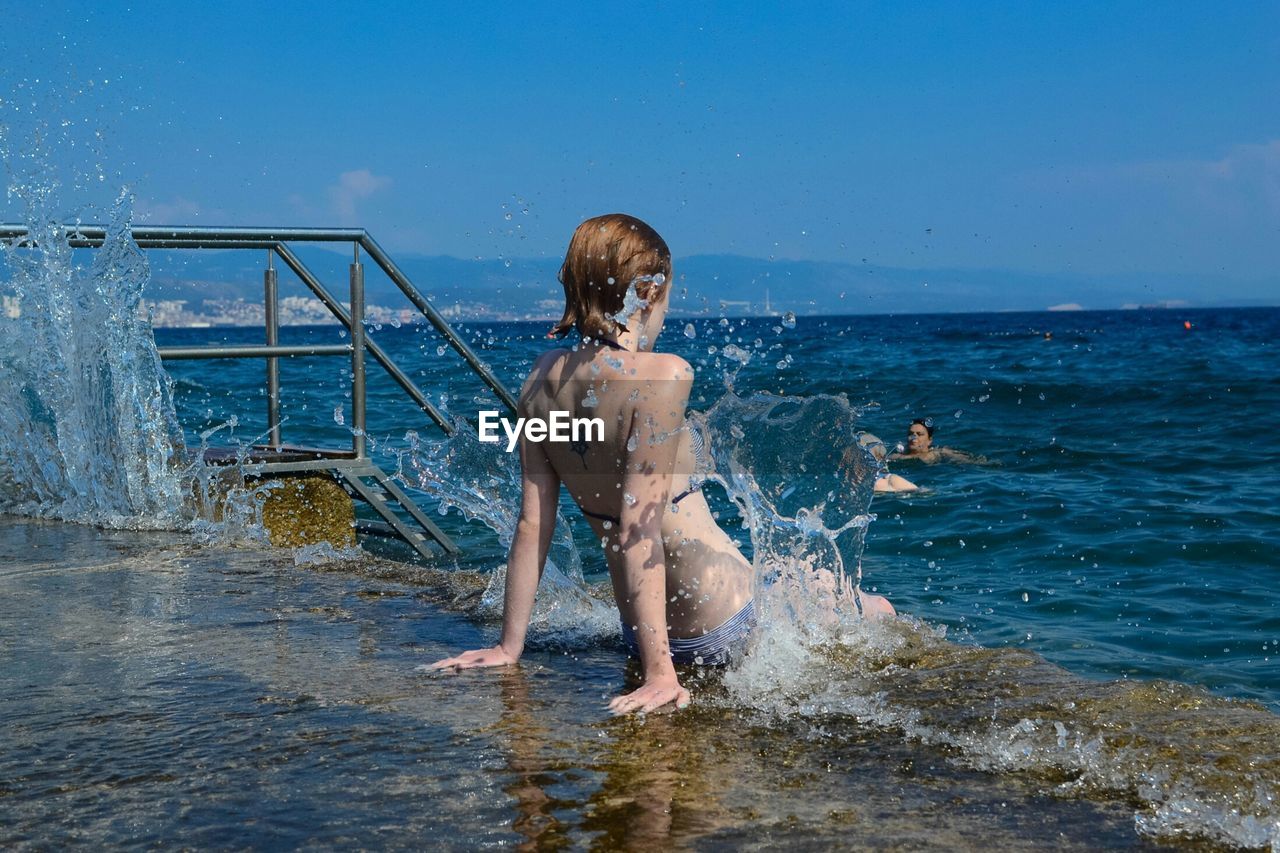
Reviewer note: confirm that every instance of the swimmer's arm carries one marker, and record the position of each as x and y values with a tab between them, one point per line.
960	456
655	427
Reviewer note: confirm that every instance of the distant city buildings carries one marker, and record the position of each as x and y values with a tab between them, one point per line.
294	311
305	311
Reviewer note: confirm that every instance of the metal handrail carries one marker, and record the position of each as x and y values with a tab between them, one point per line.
275	241
335	308
420	302
252	351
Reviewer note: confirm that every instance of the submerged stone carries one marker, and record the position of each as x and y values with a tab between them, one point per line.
304	509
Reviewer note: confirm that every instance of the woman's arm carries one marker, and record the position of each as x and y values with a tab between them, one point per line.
539	498
653	441
540	495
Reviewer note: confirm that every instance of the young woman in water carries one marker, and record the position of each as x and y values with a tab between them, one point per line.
683	589
920	446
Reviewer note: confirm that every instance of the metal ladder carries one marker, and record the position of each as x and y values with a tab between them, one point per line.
353	468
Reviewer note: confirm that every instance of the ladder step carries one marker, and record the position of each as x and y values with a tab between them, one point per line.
385	498
375	528
381	528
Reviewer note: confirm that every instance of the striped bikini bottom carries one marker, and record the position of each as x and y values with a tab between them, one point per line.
713	648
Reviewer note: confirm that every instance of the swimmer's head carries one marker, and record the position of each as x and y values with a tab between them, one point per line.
874	446
920	435
606	255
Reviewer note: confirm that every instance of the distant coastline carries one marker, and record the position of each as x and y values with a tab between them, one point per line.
220	288
303	311
298	311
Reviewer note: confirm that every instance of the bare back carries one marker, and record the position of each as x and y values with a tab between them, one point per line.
634	393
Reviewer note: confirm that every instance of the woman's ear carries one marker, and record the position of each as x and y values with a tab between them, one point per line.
651	292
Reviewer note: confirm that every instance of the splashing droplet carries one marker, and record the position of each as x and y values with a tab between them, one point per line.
631	303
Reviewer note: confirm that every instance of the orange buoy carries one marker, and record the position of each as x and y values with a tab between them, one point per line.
1186	324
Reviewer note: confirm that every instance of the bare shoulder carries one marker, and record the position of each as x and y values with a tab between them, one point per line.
542	369
666	381
663	365
544	362
669	380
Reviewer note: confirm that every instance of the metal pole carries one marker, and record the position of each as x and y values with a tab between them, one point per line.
336	309
272	311
401	281
252	351
187	237
357	356
92	235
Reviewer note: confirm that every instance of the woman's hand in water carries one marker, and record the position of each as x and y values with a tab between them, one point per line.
496	656
652	696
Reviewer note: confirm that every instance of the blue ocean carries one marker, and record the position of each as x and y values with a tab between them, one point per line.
1124	526
1087	653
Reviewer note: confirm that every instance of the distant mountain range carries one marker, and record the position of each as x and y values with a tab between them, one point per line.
745	285
705	285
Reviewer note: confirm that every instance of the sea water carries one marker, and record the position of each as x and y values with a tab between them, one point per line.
1082	615
1124	526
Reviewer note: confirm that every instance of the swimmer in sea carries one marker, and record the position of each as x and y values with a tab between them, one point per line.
683	589
920	447
885	481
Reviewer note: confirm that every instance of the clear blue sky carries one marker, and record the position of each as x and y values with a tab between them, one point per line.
1082	137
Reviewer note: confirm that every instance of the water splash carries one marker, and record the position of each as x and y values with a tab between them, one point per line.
482	482
88	432
631	303
1202	767
803	485
1199	767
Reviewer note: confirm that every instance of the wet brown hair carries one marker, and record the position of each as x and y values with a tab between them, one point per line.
606	254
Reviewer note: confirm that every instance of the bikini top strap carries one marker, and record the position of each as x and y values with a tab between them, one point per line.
610	343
